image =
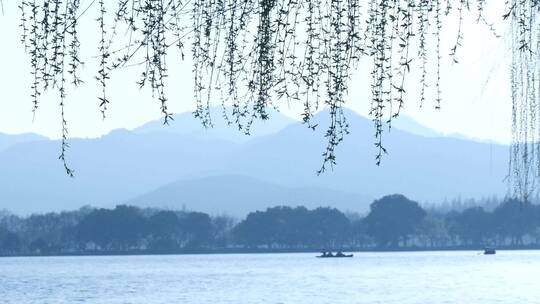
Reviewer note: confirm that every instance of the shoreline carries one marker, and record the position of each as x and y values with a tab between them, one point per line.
258	251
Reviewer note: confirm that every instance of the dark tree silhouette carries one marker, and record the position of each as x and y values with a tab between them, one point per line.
514	219
198	229
475	226
9	241
393	223
434	232
294	228
164	229
393	219
121	227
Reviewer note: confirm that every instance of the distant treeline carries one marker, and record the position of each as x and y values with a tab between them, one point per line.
393	223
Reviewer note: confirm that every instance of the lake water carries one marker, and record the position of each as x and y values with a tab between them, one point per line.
413	277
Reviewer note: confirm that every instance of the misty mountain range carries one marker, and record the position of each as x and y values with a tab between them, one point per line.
221	170
7	141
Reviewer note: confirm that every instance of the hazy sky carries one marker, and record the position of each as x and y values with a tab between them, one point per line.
476	96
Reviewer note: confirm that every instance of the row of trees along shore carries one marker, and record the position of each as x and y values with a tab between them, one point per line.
393	223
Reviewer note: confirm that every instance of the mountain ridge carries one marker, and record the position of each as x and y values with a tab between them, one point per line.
125	165
228	189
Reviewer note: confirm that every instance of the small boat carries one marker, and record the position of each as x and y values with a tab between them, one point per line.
337	255
490	251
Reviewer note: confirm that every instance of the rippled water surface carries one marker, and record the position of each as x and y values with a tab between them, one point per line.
426	277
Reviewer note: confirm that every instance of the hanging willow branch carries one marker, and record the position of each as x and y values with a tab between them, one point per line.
253	55
525	76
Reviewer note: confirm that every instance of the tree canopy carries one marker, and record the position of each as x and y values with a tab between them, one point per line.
394	218
252	55
393	223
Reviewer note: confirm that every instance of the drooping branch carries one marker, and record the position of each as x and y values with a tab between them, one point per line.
525	75
254	55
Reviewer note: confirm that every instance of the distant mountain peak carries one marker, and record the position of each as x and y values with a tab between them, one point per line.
186	124
8	140
127	164
408	124
239	194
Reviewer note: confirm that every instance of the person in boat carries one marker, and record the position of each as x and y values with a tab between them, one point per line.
339	254
489	250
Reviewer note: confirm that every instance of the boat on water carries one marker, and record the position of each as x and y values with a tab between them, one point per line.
490	251
337	255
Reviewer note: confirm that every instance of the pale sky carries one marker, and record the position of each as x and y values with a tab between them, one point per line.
476	92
